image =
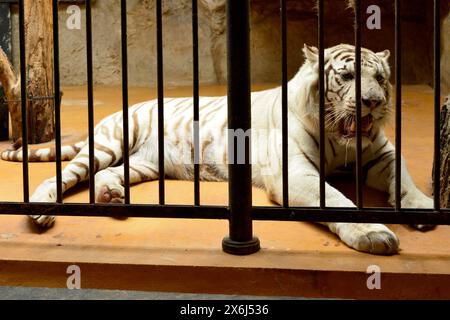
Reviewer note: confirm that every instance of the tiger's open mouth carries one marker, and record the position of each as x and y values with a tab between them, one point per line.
348	127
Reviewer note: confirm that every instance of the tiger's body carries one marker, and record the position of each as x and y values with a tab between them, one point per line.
378	153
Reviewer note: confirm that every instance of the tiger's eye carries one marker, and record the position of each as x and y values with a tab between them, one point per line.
380	78
347	76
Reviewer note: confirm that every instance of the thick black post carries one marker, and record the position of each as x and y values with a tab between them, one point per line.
240	240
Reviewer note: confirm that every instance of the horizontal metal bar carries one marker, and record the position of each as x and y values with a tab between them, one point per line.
366	215
29	98
111	210
61	1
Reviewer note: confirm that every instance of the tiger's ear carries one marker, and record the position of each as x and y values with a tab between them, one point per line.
384	54
311	53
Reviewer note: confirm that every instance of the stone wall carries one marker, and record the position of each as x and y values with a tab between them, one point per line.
302	28
445	47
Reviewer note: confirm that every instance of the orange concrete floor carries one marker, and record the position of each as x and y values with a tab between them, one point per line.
300	259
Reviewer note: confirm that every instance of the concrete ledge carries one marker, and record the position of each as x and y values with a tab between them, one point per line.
297	259
242	281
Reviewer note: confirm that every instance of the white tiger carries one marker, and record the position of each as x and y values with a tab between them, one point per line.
378	153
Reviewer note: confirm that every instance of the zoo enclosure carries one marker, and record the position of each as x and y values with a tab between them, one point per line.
240	211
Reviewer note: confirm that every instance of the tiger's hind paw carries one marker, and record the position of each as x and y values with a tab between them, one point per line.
110	194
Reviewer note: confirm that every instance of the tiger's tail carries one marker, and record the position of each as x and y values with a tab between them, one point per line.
43	154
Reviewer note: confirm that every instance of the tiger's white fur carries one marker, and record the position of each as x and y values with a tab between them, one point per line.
378	153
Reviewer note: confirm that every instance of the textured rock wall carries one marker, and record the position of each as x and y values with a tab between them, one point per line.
265	37
446	51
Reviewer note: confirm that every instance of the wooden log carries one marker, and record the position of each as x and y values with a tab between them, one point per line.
39	60
5	44
11	88
39	49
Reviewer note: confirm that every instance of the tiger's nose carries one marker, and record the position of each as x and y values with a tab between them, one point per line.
371	103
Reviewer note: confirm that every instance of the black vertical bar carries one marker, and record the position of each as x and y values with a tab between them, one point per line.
160	76
359	179
240	240
284	104
321	102
398	104
126	143
437	103
24	102
90	85
196	124
57	101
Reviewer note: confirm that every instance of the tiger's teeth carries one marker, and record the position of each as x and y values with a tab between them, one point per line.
369	126
353	126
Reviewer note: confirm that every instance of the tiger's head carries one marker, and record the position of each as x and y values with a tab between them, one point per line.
340	102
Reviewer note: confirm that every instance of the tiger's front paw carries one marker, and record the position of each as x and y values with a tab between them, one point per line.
420	201
42	221
417	200
370	238
45	193
378	242
424	227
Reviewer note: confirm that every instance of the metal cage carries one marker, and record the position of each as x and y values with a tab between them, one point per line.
240	211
